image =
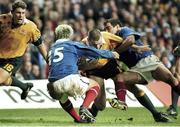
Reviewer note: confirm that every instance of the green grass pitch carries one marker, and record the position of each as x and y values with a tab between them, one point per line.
57	117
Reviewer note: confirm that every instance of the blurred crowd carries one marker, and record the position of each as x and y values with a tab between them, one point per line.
157	20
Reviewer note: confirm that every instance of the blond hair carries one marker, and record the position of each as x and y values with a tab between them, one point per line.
63	31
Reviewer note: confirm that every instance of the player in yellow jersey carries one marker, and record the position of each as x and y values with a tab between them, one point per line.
111	70
16	32
98	69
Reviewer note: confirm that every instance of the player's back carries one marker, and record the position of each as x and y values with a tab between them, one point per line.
63	60
130	57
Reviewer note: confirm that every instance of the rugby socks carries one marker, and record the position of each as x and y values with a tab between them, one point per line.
94	110
177	89
91	95
68	107
146	102
175	98
18	83
120	89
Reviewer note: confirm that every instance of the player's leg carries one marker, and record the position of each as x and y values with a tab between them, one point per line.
127	78
146	102
132	78
172	110
164	74
4	75
9	68
68	107
120	87
100	101
90	95
58	92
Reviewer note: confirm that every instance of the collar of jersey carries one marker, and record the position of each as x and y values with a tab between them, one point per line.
61	40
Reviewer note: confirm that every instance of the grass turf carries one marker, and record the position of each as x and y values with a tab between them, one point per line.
57	117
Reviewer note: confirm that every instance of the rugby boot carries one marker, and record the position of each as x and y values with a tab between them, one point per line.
115	103
81	121
86	115
171	111
162	117
25	92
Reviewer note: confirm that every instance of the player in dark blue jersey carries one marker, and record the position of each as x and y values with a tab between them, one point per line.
145	65
64	78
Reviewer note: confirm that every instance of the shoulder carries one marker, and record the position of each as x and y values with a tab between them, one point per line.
30	23
110	36
5	18
126	29
106	34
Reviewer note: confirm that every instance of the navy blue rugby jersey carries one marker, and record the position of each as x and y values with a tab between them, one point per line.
131	57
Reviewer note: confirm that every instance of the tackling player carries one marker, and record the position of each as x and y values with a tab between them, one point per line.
16	32
64	78
146	65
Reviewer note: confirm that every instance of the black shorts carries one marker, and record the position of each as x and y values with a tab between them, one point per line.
11	65
109	70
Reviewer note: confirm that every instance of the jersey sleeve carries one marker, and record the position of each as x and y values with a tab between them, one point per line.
91	52
112	37
36	35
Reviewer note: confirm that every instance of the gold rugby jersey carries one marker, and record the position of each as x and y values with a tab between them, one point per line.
110	41
14	41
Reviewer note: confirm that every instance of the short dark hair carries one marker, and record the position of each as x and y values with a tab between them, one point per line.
94	35
19	4
113	22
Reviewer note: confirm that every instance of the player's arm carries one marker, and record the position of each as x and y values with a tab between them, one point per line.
41	47
113	38
141	49
37	41
43	51
85	64
91	52
127	42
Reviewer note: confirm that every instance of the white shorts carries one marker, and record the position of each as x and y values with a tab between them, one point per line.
71	85
145	66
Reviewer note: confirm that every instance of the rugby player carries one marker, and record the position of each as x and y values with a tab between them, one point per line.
104	69
64	78
145	65
16	32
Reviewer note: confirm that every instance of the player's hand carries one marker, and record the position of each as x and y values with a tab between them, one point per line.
116	55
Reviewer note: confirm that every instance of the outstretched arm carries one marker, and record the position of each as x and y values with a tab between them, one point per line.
141	49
